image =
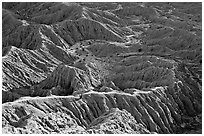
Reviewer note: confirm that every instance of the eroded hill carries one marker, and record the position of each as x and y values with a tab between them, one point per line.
101	68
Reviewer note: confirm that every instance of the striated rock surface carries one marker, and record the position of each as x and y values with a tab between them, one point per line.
101	68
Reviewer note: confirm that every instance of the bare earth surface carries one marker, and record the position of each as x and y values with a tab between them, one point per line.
105	68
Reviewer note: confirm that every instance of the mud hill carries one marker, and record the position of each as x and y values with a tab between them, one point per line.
103	68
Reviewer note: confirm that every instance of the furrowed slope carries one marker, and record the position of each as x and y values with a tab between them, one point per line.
154	109
115	118
102	68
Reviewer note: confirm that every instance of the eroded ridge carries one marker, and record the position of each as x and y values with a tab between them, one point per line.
159	110
102	68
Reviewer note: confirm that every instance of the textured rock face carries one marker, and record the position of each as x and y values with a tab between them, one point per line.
116	122
101	68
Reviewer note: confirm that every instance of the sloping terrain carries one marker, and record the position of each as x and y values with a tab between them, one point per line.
103	68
